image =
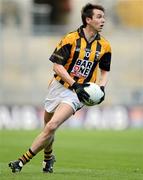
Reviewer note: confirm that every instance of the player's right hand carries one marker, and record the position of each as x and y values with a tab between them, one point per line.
81	93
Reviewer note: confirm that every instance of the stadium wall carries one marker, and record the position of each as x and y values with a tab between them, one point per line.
25	70
108	117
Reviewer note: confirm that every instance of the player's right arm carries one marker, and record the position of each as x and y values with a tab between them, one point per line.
62	72
59	58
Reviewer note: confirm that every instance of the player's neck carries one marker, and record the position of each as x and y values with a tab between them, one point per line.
89	34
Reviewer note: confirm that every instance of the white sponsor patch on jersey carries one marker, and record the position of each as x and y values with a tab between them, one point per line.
82	68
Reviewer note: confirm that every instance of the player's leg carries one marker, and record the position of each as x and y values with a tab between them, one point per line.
62	113
49	158
48	149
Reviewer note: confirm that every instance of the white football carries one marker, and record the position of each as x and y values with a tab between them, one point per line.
95	94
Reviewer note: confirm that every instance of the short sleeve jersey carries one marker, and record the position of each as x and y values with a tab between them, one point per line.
80	58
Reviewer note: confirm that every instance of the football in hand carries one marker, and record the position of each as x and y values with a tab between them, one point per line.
95	94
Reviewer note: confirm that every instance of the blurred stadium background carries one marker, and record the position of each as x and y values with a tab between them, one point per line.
29	31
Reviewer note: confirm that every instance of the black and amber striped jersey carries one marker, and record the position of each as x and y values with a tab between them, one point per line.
80	58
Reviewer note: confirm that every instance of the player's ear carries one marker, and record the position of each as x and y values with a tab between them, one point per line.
88	19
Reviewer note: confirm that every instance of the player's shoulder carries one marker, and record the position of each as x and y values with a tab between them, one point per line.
68	38
71	36
105	43
104	40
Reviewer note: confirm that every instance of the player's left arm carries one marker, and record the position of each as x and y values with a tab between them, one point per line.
104	66
103	77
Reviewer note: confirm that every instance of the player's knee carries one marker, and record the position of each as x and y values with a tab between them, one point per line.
51	126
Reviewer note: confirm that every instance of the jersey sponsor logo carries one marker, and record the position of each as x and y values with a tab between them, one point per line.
82	68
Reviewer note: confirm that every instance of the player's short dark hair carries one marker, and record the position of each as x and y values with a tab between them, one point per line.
87	11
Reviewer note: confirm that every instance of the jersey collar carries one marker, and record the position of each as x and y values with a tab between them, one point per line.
81	33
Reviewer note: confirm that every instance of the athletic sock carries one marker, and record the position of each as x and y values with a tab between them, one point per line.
47	155
25	158
48	150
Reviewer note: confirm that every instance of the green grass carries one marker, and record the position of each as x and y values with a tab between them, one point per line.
80	154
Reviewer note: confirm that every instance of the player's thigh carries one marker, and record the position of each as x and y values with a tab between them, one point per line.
47	117
62	113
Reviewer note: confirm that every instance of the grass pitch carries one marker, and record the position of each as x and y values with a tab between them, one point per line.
80	154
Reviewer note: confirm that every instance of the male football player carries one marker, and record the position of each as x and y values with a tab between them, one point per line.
76	61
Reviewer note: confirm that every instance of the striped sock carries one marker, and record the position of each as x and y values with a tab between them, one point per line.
25	158
48	150
47	155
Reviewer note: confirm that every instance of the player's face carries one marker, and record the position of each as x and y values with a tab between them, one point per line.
97	21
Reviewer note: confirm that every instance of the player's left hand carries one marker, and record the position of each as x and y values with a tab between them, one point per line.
103	90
